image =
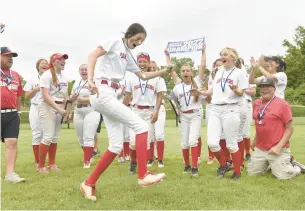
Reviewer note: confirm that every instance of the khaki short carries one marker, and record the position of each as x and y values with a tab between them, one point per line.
280	165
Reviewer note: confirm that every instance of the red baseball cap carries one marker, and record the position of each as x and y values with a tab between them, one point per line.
58	56
7	51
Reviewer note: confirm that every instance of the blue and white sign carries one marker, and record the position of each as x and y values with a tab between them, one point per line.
185	46
2	26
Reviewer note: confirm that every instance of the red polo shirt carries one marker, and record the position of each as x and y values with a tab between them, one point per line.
9	93
270	132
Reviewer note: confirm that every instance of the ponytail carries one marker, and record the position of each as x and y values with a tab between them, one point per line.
53	72
196	98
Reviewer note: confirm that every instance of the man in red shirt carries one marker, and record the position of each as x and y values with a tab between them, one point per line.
274	128
11	91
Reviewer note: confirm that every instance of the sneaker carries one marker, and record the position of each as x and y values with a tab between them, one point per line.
88	191
235	176
296	163
199	161
127	157
247	157
95	153
14	177
194	172
229	165
54	168
42	170
150	163
132	168
121	160
221	171
160	164
210	161
87	165
151	179
187	169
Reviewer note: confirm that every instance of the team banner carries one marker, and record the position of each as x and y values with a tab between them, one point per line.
185	46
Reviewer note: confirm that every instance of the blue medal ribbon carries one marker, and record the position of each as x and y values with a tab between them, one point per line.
223	86
79	89
8	79
260	116
143	92
187	102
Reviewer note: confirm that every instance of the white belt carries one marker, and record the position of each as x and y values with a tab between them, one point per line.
8	110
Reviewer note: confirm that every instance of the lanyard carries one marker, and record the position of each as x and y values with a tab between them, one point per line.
187	102
143	92
261	115
58	82
9	78
77	89
128	51
223	86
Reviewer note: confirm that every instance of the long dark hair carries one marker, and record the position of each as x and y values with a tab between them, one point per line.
134	29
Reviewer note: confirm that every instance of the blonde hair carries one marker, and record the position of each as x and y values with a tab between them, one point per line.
232	52
38	63
53	72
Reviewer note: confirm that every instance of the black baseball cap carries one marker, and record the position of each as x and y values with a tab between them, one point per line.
267	81
7	51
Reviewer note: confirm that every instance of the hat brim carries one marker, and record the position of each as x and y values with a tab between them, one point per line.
11	53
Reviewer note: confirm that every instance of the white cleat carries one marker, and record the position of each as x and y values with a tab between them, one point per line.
87	165
127	158
150	163
160	164
151	179
121	160
88	191
14	177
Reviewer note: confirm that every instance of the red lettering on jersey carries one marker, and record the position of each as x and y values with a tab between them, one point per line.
123	56
230	81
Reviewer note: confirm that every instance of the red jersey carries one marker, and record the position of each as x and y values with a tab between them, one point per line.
272	127
10	92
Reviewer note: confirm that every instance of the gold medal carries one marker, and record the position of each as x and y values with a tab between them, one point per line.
224	94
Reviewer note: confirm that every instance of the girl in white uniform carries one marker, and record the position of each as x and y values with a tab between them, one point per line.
227	89
191	115
115	58
54	93
85	119
159	125
146	100
32	92
177	80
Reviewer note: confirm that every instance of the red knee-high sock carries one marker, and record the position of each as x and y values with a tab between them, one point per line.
160	149
195	152
43	151
199	146
225	150
133	155
151	151
247	145
121	154
36	152
236	161
186	156
241	146
88	151
126	148
102	165
220	157
141	148
211	154
52	153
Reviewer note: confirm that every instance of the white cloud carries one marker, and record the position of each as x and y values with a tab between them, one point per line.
37	28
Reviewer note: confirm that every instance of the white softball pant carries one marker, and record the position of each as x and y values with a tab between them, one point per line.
190	128
126	136
144	114
247	126
160	124
243	109
226	118
115	115
35	125
86	121
207	114
50	121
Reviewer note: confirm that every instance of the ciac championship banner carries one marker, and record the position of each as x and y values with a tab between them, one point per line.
185	46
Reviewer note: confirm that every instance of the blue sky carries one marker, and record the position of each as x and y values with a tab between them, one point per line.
37	28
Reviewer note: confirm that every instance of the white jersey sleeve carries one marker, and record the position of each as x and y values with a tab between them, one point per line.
46	80
108	45
28	85
243	82
161	87
281	78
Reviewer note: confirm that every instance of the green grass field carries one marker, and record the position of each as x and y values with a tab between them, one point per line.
116	190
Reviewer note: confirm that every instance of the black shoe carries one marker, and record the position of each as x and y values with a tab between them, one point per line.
247	158
296	163
194	172
95	153
132	168
221	171
229	165
235	176
150	163
187	169
160	164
